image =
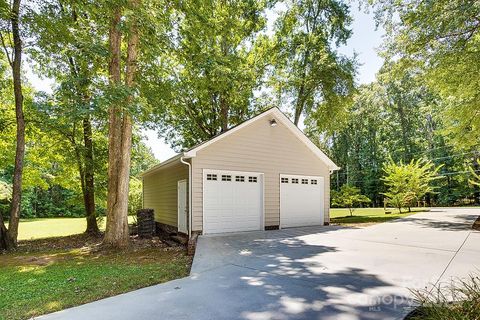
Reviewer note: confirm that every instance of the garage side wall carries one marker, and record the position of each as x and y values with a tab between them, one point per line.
160	192
259	148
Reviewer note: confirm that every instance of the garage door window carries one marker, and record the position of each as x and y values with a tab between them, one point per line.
240	178
304	181
226	177
252	179
294	180
284	180
314	181
211	177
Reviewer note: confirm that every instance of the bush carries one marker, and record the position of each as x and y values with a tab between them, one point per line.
348	197
459	300
134	196
408	183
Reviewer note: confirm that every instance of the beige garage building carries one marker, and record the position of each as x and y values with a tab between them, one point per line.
262	174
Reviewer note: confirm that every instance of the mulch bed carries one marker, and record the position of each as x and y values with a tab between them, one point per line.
88	241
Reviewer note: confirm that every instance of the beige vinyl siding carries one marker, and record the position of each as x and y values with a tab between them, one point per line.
160	192
259	147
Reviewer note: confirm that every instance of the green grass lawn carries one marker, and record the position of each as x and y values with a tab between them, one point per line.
367	216
36	280
54	227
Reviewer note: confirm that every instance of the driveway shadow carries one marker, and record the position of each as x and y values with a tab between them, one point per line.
285	277
460	223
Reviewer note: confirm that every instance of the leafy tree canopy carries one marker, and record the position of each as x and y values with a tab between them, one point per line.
441	40
408	183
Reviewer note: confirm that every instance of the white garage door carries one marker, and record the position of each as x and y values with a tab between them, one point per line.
232	201
301	200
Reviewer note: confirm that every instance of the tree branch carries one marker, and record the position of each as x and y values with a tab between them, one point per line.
10	62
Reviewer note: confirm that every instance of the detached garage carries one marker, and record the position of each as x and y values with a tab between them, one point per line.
262	174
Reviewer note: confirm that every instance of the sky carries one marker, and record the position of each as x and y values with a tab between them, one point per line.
364	42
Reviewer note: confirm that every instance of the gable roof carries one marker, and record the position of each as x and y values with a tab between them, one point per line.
276	114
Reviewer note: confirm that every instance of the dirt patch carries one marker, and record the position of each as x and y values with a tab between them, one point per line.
76	241
86	242
44	252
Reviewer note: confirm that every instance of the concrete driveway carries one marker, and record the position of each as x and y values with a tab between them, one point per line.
308	273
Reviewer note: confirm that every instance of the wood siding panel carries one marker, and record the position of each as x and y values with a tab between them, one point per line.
259	148
160	192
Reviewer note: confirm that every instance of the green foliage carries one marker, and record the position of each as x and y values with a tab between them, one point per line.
348	197
135	196
408	183
216	62
397	116
475	175
441	41
5	191
309	75
5	196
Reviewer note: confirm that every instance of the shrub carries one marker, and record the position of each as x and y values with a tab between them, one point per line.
134	196
459	300
407	183
348	197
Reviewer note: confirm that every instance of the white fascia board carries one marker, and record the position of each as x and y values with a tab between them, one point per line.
162	165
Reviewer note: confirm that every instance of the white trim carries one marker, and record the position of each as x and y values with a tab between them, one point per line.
162	165
279	201
178	205
219	172
285	121
189	194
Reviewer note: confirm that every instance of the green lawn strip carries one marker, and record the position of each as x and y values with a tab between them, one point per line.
41	228
31	285
368	215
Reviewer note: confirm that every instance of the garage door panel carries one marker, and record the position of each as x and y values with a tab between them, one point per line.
232	201
301	200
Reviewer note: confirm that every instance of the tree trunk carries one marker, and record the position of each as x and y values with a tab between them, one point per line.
299	105
407	156
476	188
3	235
12	233
120	134
89	189
223	113
224	108
86	170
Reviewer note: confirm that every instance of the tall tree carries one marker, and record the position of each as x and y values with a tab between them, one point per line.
13	51
216	61
120	122
310	76
67	45
441	39
396	116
